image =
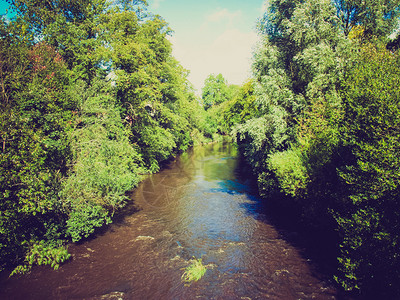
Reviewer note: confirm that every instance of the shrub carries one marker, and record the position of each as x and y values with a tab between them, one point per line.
84	218
290	171
371	131
40	253
105	165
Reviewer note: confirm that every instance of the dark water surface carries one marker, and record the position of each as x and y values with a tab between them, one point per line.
199	206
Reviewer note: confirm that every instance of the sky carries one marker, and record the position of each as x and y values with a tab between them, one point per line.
210	36
3	6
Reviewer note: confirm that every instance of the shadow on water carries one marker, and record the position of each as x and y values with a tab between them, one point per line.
317	245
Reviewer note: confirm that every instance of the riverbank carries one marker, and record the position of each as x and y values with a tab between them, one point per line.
202	206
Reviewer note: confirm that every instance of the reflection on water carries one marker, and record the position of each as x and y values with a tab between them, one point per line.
200	205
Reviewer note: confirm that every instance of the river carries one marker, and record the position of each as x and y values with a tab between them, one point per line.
200	205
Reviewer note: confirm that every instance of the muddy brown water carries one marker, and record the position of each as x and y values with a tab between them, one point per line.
199	206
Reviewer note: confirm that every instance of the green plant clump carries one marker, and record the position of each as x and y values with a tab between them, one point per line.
41	253
194	271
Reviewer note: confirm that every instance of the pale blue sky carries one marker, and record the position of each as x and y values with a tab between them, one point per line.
3	7
210	36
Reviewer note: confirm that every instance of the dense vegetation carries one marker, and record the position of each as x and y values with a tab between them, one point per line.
227	104
91	99
319	126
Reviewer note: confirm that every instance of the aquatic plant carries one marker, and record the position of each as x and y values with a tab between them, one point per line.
194	271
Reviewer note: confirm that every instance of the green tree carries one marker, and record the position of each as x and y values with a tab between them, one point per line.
105	165
296	143
215	91
241	108
378	18
370	225
34	152
72	144
70	27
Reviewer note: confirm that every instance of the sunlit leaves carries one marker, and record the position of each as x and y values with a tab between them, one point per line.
290	171
105	165
241	107
215	91
70	150
41	253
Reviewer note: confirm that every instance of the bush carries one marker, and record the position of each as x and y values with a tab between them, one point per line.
105	165
41	254
84	218
290	171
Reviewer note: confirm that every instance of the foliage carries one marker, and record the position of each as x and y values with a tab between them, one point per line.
219	100
251	137
13	62
371	131
215	91
319	122
105	165
34	151
100	143
84	218
41	254
28	187
241	107
377	17
194	271
290	171
319	135
297	69
71	143
325	133
151	86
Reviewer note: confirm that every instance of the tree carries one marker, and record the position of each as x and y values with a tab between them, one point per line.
105	165
215	91
371	131
40	14
13	61
71	144
378	18
327	129
241	108
34	153
297	143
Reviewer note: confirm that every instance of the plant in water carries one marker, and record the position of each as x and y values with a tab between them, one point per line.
194	271
42	254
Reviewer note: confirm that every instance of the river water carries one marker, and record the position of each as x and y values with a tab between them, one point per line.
202	206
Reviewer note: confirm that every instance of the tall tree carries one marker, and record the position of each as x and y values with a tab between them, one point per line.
215	91
371	131
315	80
376	17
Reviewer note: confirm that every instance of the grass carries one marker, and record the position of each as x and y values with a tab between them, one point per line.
194	271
